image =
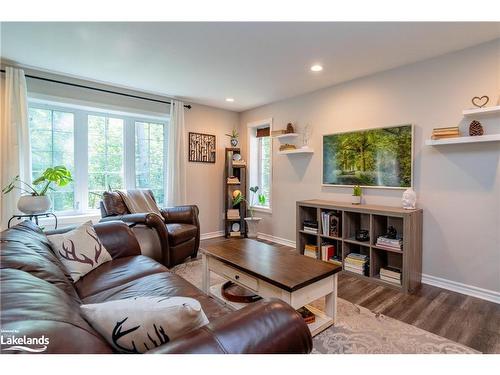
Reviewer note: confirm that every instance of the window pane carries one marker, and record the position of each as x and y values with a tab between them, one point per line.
52	143
265	168
149	158
105	157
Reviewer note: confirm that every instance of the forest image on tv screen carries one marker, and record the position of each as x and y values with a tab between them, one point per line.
375	157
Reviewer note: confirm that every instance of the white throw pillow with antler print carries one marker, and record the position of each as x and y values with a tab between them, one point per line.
139	324
80	250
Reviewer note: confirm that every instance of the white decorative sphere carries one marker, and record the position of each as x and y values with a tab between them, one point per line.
409	200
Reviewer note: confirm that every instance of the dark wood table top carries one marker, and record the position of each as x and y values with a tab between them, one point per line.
283	268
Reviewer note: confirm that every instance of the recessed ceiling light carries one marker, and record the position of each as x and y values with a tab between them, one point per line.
316	68
230	100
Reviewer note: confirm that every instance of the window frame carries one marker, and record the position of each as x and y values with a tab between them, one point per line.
80	147
254	166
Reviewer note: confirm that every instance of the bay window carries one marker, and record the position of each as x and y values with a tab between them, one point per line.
102	149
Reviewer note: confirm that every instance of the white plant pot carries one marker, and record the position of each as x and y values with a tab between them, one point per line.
356	199
252	226
33	204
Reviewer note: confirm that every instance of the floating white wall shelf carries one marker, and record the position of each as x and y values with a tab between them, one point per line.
303	150
481	111
289	135
457	140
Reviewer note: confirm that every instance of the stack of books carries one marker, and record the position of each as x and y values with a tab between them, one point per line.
311	251
357	263
307	315
330	222
328	254
390	243
233	180
239	163
274	133
391	275
233	213
450	132
310	226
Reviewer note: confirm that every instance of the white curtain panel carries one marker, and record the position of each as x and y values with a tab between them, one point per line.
177	156
15	153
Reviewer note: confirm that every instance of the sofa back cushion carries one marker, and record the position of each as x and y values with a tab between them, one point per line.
25	247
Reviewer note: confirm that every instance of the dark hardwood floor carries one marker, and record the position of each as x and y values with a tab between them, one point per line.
470	321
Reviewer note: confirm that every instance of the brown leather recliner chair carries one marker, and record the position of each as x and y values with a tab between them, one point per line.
176	233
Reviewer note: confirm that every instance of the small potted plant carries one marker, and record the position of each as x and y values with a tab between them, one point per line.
252	222
234	137
35	199
356	194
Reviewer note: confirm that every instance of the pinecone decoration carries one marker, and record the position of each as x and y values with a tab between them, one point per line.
475	128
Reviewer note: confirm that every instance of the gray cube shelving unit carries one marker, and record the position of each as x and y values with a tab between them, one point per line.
375	219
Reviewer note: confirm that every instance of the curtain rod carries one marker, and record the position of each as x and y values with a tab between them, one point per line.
188	106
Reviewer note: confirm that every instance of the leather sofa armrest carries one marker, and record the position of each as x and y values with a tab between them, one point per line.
151	220
187	214
266	326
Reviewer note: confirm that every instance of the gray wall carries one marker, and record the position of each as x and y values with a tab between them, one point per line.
458	186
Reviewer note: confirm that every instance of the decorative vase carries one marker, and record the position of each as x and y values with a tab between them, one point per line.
252	226
409	199
234	142
33	204
356	199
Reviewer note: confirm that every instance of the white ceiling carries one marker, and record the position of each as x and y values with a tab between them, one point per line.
255	63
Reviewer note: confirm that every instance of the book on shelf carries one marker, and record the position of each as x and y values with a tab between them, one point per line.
307	315
233	180
274	133
391	272
310	226
311	230
449	132
391	280
330	224
391	243
233	213
311	251
354	270
239	163
327	251
357	263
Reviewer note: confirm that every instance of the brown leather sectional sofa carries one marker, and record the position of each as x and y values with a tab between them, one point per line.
38	298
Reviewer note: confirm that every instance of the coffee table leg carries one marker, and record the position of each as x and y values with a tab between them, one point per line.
206	275
331	301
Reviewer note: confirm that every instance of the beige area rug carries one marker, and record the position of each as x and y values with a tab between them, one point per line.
358	330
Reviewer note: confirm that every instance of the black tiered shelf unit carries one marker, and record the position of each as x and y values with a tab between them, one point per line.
240	173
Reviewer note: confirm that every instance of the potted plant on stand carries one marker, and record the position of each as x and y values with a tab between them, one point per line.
234	137
356	194
252	222
35	200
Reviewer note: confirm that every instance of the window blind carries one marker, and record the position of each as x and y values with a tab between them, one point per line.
263	132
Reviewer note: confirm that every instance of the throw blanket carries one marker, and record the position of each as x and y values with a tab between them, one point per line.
139	201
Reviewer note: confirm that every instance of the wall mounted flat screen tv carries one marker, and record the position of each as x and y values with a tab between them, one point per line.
380	157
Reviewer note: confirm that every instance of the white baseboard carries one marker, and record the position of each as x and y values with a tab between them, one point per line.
206	236
474	291
278	240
